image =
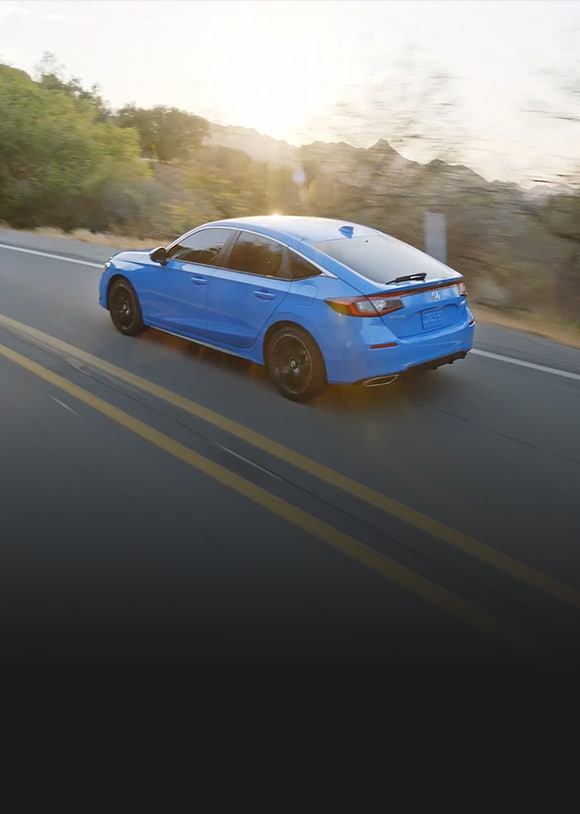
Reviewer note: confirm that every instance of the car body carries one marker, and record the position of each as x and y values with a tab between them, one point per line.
316	300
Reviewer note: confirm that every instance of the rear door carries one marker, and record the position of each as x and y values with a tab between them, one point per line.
243	295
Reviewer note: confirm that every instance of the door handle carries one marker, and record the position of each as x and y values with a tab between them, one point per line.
199	280
264	295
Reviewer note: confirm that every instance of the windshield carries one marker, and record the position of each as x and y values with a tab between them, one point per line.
381	258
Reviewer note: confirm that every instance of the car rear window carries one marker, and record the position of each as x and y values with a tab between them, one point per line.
381	258
300	268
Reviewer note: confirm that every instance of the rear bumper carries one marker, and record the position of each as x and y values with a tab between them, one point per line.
376	381
413	354
444	360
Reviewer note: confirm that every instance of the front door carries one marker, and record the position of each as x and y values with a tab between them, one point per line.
177	297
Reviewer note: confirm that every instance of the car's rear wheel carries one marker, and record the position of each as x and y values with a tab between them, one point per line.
124	308
295	364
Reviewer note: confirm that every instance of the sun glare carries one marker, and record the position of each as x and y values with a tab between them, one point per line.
280	82
280	106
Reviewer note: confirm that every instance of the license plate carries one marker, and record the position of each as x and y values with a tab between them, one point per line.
432	318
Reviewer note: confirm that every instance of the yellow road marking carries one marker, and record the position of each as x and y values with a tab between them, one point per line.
457	539
446	601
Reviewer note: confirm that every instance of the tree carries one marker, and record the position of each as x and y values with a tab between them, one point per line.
165	133
55	159
51	77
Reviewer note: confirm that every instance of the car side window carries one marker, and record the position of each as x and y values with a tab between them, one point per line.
300	268
202	247
256	255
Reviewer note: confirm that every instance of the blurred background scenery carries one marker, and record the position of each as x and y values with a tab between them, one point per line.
141	120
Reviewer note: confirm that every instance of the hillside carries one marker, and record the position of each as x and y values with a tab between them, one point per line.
519	249
256	145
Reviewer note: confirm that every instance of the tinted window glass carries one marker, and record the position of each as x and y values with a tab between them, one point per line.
300	268
256	254
201	247
382	258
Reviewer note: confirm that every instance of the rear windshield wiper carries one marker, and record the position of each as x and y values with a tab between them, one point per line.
419	276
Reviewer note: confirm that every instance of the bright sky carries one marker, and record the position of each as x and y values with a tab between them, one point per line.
283	68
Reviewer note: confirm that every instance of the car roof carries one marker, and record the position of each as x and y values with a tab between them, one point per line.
299	228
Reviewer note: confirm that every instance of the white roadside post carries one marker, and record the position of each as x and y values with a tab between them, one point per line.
435	228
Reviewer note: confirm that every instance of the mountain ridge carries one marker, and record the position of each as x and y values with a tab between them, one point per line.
262	147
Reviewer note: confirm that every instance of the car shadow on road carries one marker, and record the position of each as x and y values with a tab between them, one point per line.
337	398
388	398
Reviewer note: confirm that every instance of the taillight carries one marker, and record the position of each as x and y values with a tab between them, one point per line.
375	305
462	289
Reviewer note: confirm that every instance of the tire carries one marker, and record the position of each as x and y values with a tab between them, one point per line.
124	308
295	364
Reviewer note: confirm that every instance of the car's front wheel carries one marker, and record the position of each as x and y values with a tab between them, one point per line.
295	364
124	308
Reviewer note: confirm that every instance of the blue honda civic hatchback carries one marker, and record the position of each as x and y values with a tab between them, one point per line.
317	301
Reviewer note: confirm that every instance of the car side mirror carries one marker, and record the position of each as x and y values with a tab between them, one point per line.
159	255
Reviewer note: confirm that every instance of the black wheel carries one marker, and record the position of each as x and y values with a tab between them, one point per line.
295	364
125	309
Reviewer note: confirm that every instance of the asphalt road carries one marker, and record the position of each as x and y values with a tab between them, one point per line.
162	504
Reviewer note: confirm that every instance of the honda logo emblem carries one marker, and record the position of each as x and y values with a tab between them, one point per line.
436	295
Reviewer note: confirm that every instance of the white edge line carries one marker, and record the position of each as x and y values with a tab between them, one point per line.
564	373
52	256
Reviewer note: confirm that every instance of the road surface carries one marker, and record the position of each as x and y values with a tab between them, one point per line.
162	504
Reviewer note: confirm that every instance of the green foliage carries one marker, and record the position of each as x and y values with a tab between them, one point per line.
57	158
51	77
219	182
233	185
165	133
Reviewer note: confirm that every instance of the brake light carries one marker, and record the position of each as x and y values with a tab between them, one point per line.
375	305
462	289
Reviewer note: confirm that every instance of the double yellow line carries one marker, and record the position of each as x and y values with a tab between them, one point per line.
462	610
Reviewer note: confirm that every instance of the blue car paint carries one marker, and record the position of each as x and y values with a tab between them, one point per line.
234	311
240	304
181	305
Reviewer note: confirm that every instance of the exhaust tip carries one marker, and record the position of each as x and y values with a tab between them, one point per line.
380	381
